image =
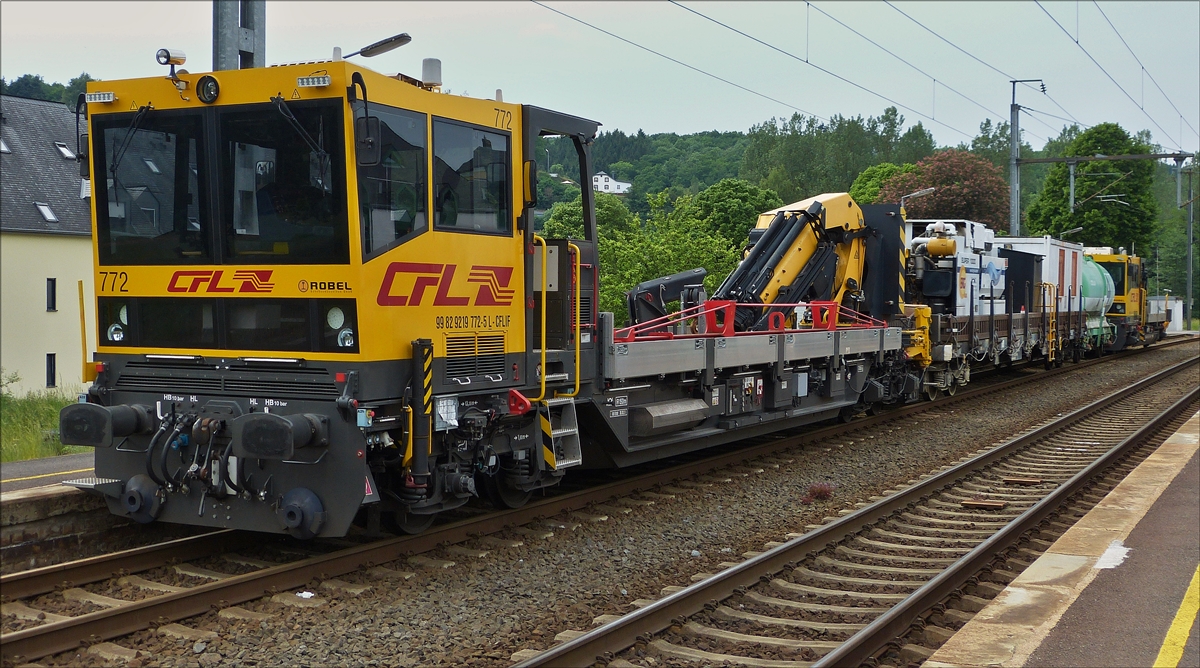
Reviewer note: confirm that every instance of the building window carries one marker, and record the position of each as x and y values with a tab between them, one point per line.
51	294
153	167
51	370
4	147
66	152
606	187
44	209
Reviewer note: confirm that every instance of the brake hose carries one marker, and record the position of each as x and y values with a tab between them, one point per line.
162	429
175	478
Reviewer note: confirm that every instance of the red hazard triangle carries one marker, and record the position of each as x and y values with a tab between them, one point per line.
368	481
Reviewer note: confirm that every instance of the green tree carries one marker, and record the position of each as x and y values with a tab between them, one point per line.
1128	220
673	239
866	187
74	87
803	156
35	87
966	186
623	170
729	207
566	218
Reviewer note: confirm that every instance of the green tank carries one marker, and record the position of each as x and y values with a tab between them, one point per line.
1097	288
1097	291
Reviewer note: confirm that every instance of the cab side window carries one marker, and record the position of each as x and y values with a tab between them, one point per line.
471	179
392	194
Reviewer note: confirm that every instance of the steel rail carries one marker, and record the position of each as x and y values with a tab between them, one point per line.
52	638
897	620
622	633
36	581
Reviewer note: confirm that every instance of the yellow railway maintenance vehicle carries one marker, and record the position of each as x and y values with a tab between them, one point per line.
321	300
1130	314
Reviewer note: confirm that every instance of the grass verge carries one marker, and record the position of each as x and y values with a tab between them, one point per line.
29	424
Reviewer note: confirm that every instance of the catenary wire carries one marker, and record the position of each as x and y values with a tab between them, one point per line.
678	62
1046	113
1144	70
893	54
1110	77
832	74
995	69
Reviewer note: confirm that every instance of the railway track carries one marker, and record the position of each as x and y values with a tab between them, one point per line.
187	594
843	593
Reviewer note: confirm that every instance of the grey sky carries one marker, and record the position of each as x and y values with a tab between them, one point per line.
539	57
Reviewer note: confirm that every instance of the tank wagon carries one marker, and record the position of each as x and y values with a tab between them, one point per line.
329	304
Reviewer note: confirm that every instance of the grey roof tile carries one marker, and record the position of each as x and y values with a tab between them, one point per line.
35	171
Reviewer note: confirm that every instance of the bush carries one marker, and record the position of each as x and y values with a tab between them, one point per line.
29	424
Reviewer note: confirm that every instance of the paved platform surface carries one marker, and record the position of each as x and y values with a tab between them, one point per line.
45	471
1117	589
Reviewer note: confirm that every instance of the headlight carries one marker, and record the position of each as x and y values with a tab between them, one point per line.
116	333
335	318
345	338
123	315
207	89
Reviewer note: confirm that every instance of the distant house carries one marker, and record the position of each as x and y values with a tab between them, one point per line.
45	246
604	183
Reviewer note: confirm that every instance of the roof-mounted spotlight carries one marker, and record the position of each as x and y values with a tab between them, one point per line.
170	57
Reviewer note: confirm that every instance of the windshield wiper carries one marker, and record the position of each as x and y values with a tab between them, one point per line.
315	146
286	112
135	124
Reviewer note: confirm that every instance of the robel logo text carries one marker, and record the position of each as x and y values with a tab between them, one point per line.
243	280
406	283
324	286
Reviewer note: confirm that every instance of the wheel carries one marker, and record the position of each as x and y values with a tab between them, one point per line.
1076	355
501	493
402	521
847	414
950	391
1049	364
933	393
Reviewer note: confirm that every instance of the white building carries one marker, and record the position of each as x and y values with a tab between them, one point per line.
45	247
604	183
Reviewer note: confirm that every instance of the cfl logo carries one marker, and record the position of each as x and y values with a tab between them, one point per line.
243	280
406	283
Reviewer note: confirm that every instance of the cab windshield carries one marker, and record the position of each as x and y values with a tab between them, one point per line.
268	188
1117	271
283	181
150	204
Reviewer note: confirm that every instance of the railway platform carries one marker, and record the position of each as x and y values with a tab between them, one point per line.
1119	588
45	471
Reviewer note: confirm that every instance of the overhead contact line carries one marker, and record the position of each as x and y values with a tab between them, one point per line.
677	62
1110	77
811	64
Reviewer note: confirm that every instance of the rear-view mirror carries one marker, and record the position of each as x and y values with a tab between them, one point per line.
531	178
82	156
367	146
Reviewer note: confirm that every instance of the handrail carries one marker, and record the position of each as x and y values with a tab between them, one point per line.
835	316
408	441
542	342
576	278
89	370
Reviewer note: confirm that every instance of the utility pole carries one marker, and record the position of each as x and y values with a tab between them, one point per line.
239	34
1014	167
1191	244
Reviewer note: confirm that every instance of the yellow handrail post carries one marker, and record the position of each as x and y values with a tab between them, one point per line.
89	370
542	343
578	317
